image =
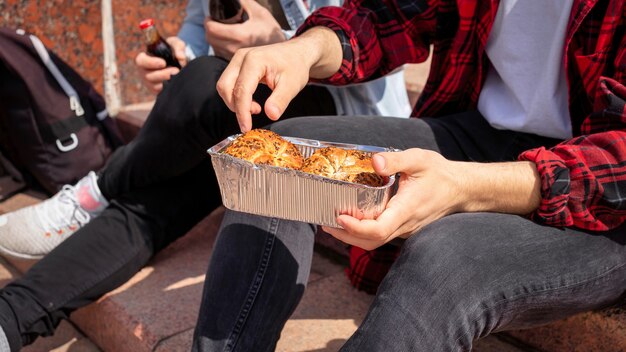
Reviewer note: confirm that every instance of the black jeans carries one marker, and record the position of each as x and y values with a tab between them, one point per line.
456	280
159	186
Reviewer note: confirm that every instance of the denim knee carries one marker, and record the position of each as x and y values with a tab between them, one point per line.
445	280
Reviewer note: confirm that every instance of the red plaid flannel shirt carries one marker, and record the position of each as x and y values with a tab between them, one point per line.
583	179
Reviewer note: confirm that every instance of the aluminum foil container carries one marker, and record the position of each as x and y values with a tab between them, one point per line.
295	195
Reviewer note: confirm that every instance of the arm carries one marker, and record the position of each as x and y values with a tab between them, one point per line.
431	187
377	36
580	182
286	70
189	44
192	30
583	180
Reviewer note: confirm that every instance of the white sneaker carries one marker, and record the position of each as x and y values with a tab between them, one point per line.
34	231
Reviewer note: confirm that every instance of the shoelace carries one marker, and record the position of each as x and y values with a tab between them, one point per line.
53	213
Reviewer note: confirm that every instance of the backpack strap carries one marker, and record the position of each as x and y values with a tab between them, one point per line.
54	70
65	139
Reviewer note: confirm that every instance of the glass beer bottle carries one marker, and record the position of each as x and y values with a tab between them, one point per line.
227	11
156	45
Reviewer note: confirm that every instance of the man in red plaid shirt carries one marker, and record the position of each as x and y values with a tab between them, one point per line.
512	192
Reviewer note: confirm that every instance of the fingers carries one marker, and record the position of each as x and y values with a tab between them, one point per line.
271	65
148	62
381	229
408	161
216	30
160	76
154	79
394	222
178	46
156	88
282	94
245	86
237	92
252	7
345	237
155	71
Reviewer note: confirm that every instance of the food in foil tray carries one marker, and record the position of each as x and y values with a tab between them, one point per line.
265	147
344	165
299	179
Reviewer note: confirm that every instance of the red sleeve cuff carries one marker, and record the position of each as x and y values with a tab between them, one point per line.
346	72
555	188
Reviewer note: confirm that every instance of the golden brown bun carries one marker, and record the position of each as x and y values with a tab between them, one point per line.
266	147
342	164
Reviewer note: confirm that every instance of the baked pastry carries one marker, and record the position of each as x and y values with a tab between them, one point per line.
265	147
343	164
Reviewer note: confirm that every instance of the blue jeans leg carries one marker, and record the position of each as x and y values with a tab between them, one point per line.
257	274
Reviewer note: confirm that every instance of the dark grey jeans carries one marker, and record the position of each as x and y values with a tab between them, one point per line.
457	280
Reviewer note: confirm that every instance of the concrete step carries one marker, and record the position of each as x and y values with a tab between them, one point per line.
595	331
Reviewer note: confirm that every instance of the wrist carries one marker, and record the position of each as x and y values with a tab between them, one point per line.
508	187
323	54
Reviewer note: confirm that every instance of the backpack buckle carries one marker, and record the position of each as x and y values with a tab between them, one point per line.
75	106
71	146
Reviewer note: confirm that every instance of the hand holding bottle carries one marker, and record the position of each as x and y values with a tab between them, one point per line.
259	29
156	70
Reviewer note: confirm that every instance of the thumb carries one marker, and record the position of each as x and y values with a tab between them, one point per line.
251	6
179	49
390	163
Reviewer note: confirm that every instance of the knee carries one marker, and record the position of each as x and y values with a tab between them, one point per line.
311	127
448	268
452	253
190	99
195	83
436	286
202	71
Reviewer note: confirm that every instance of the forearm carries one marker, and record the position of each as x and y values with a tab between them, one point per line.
322	49
511	187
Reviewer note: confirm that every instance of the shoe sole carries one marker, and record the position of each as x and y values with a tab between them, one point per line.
4	251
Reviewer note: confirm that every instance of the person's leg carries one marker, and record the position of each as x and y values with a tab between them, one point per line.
188	118
468	275
257	274
104	254
259	266
465	136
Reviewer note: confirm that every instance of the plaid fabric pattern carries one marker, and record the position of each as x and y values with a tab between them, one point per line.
583	180
368	268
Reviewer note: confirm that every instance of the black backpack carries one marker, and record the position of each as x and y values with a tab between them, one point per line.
54	127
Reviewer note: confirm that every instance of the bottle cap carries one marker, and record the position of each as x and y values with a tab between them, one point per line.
148	22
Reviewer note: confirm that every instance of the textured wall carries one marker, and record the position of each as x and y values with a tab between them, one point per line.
72	29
